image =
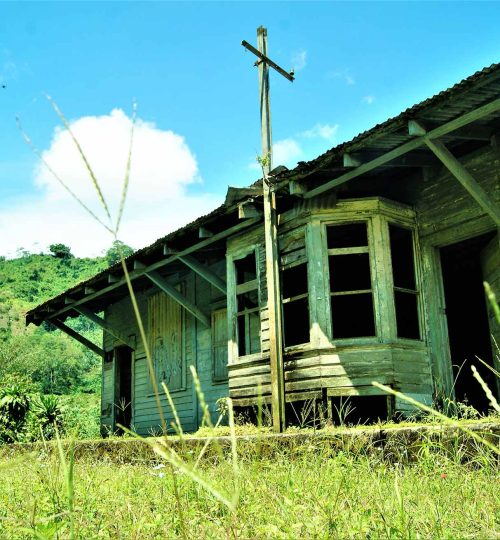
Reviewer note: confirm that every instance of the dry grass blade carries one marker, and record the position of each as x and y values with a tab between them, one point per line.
493	300
437	414
177	423
127	170
145	343
83	156
487	391
173	458
37	152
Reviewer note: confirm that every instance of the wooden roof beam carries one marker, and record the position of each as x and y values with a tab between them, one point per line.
466	179
235	229
171	291
356	159
75	335
453	125
205	273
104	325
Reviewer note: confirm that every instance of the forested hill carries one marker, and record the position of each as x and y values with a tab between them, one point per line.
49	358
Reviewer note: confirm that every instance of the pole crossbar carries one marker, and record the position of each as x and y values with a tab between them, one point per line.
264	58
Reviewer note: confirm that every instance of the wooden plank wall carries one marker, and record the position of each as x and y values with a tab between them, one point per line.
447	214
197	352
446	211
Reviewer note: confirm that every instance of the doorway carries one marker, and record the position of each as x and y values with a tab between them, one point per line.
123	389
469	330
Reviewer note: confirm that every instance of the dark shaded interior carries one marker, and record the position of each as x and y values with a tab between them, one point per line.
295	305
123	400
468	330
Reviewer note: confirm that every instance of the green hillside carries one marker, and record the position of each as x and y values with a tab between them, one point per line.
41	361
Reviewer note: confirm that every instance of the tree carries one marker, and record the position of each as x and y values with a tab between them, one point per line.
116	251
60	251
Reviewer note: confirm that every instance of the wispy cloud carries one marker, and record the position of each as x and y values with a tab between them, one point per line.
368	99
342	75
322	131
299	60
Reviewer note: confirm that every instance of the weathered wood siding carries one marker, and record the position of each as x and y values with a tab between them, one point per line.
342	367
197	351
446	212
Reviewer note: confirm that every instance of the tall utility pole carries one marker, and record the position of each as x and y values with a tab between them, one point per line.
271	231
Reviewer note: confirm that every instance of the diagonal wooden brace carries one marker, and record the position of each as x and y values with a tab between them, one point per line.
163	284
465	178
75	335
104	325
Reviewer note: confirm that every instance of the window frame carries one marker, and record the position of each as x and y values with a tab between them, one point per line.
284	265
410	226
375	285
232	303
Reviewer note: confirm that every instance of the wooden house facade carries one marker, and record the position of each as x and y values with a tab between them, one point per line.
384	243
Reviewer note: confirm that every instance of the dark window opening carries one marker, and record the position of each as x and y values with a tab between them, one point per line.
346	236
351	294
246	269
247	305
350	272
248	333
123	389
295	301
406	315
352	316
467	320
405	285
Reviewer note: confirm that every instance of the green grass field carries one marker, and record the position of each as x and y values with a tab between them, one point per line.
306	492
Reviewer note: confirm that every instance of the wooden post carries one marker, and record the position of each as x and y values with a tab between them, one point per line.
271	241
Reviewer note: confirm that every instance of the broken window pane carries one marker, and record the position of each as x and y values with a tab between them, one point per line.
246	269
407	315
349	272
403	269
296	322
405	288
294	281
344	236
352	316
294	289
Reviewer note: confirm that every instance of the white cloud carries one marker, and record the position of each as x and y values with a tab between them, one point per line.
322	131
285	152
163	167
368	99
343	75
299	60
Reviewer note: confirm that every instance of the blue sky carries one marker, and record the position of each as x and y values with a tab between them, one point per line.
356	63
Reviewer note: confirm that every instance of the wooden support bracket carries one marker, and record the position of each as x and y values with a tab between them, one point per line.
163	284
204	233
205	273
465	178
248	209
104	325
75	335
409	146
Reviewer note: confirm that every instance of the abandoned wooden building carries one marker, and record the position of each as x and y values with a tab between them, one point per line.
384	244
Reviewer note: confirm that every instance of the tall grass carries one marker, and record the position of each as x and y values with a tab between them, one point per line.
311	492
162	446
